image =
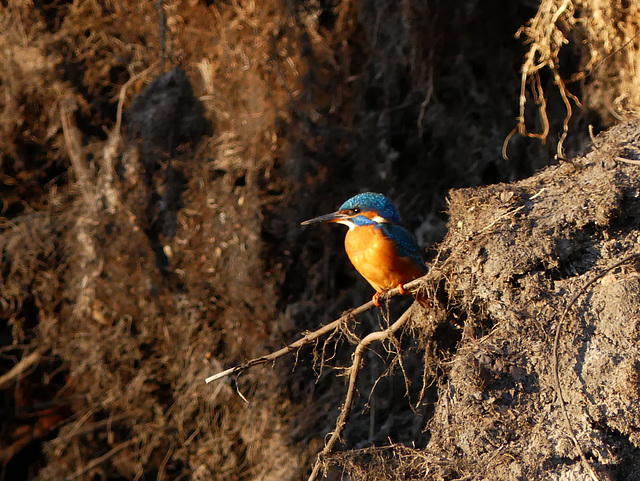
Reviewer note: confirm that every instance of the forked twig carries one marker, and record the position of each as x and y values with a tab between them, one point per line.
353	370
311	336
353	376
556	375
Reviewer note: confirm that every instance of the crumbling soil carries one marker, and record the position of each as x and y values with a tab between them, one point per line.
153	177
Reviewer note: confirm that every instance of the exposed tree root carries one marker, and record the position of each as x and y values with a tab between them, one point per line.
353	376
353	370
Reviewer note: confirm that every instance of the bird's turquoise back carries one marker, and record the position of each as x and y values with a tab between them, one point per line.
406	245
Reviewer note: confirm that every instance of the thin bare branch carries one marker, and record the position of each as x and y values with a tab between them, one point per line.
16	371
311	336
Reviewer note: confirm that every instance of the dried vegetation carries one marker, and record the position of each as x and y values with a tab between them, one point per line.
150	237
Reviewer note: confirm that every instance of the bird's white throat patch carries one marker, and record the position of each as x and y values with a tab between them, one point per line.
348	223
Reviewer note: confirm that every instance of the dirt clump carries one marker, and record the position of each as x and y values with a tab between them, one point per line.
514	257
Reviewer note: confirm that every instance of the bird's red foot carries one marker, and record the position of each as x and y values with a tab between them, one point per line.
376	299
401	290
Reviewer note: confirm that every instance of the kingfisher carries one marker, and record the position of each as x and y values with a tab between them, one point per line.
380	249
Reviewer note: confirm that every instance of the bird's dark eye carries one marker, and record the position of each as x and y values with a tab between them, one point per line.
355	210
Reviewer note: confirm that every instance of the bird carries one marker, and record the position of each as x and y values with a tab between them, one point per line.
377	245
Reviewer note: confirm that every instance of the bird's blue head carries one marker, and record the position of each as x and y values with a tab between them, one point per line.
368	208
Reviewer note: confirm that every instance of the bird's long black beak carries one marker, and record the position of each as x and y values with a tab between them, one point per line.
333	217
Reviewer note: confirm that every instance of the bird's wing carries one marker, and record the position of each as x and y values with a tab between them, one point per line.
405	243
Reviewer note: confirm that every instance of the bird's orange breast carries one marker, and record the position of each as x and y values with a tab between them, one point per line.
375	257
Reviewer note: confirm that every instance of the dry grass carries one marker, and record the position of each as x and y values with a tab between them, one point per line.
604	36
